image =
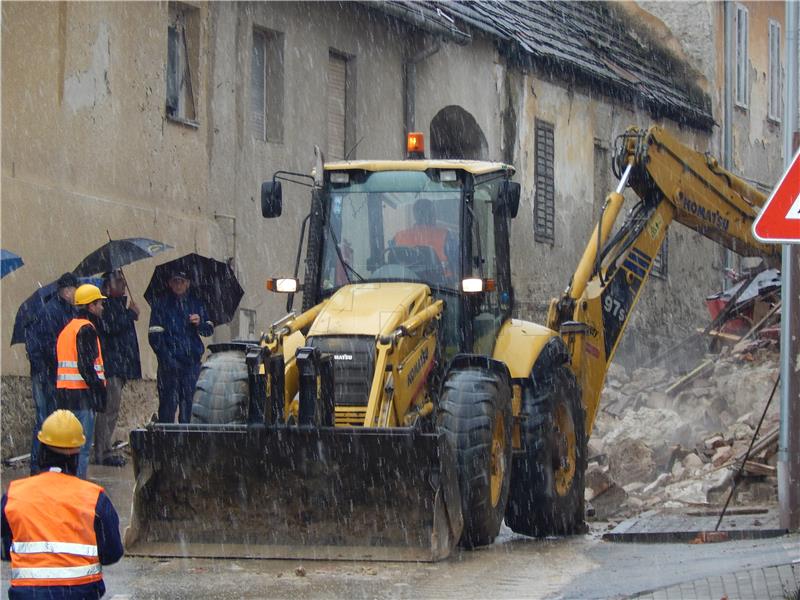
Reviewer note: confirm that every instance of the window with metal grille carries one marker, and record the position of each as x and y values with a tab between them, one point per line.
742	50
661	260
183	57
545	198
774	110
266	85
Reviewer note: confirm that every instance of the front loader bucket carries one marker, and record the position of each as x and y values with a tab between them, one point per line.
279	492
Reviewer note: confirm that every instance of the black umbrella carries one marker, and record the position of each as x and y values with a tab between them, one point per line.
30	310
118	253
213	282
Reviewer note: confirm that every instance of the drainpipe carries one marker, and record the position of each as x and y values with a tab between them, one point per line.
410	94
435	22
789	433
727	107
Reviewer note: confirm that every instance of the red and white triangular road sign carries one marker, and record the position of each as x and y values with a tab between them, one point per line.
779	220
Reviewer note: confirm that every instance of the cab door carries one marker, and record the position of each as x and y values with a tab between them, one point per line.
489	259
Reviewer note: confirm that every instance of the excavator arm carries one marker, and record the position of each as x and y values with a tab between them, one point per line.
674	183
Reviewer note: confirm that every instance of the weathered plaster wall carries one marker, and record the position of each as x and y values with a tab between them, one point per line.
86	147
668	308
757	140
240	162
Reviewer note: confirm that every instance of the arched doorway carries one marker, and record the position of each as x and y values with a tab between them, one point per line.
456	134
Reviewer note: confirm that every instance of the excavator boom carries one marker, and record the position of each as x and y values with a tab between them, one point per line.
674	183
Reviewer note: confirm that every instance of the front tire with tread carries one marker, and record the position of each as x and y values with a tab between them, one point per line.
475	414
545	498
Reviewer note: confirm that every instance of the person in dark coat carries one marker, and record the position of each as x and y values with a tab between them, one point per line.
120	346
40	344
177	321
80	376
57	530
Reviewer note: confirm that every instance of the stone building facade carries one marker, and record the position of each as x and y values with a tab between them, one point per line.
161	119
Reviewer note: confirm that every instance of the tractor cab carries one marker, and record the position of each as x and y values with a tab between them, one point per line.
443	223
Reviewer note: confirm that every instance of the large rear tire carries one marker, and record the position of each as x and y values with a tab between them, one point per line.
547	483
223	390
475	414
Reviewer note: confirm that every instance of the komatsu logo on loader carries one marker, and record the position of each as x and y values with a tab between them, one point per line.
342	357
712	217
412	374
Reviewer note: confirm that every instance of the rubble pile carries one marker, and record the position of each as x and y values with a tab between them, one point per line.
658	444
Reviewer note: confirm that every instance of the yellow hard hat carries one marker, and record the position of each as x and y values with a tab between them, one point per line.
87	293
62	430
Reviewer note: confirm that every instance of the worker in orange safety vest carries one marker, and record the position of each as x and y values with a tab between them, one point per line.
80	374
58	530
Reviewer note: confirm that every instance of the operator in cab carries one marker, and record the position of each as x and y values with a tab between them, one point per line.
426	233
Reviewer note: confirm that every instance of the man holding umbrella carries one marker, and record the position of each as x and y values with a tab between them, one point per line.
121	361
40	344
177	321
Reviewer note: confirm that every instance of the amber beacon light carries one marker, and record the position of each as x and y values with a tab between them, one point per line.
415	145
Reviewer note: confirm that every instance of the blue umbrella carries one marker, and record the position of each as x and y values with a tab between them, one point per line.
10	262
117	253
30	310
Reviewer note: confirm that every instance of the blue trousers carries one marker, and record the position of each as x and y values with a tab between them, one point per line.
86	417
175	392
43	387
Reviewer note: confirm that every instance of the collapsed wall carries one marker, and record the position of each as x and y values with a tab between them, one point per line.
667	441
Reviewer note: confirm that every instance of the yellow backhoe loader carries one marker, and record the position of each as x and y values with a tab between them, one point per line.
404	411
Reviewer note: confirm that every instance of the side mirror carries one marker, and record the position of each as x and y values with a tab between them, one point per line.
271	199
508	198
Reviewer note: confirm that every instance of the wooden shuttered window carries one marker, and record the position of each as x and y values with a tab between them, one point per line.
545	198
258	86
774	75
266	85
337	102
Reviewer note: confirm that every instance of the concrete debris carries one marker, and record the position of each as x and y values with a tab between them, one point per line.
631	460
650	449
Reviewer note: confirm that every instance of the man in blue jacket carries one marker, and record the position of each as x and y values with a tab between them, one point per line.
177	321
40	344
117	331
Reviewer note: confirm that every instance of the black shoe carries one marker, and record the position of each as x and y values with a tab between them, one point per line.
114	461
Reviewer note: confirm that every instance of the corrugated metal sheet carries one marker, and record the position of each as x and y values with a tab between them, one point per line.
582	41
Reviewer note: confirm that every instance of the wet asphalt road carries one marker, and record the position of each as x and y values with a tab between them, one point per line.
513	567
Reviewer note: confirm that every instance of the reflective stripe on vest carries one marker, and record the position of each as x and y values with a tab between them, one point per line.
53	548
51	516
56	572
67	375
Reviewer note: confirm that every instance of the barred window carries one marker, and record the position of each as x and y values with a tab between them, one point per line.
661	260
544	200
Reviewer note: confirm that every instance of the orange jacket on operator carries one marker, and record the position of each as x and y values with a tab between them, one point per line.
424	235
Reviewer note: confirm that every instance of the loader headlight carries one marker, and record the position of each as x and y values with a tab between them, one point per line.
283	285
472	285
